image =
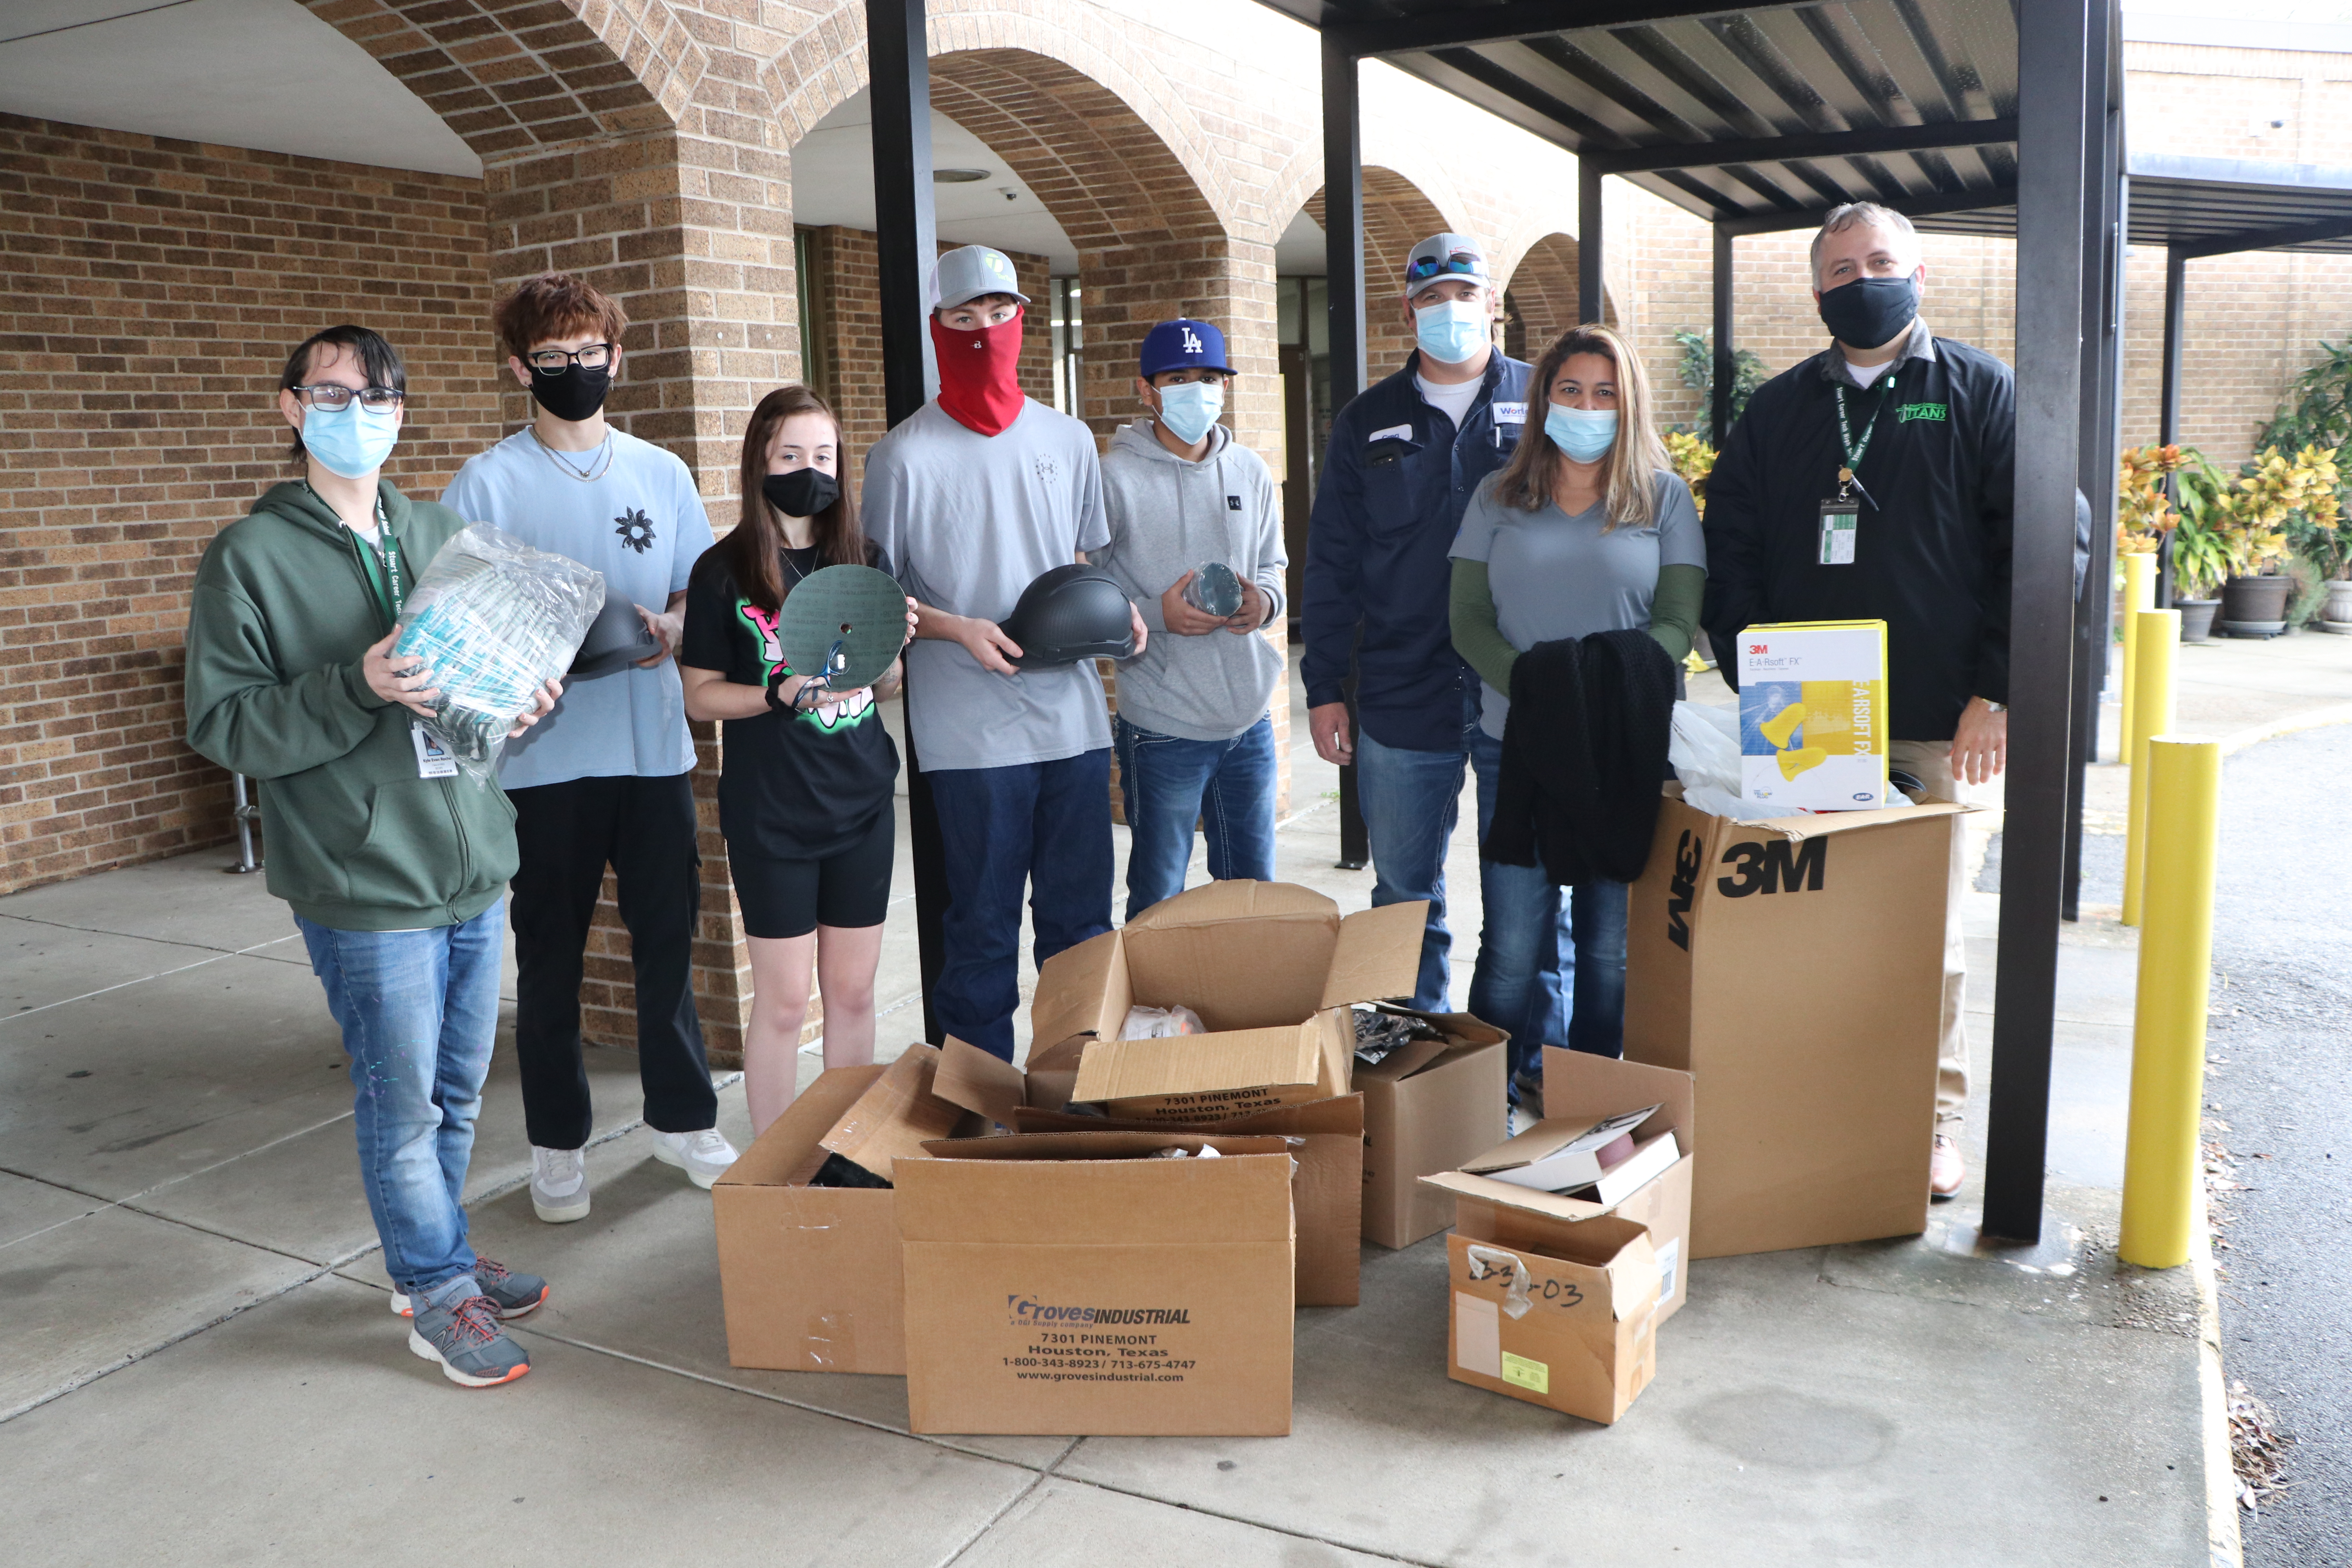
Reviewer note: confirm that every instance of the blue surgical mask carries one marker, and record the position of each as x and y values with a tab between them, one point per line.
1584	434
350	441
1451	331
1189	408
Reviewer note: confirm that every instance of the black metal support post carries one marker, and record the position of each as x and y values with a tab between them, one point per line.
1588	238
1343	257
897	55
2054	76
2167	408
1726	354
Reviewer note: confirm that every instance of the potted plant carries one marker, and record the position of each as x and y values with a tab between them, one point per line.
2199	564
2318	412
2271	494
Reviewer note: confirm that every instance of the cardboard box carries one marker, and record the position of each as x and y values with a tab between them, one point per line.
1580	1089
808	1276
1812	715
1271	968
1557	1312
1062	1283
1795	969
1598	1160
1427	1107
896	1115
1327	1193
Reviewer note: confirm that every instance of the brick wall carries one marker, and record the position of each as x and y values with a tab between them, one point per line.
149	291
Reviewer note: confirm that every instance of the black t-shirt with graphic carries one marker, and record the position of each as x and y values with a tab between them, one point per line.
791	786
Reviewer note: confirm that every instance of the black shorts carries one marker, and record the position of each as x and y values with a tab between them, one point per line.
849	888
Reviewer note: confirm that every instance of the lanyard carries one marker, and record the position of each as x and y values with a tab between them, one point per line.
386	574
1853	449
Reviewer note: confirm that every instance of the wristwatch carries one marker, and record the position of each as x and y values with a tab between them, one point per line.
1993	707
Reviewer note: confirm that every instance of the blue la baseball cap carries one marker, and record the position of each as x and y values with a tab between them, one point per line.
1183	345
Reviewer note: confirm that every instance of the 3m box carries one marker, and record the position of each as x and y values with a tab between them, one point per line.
1271	968
1795	968
808	1276
1070	1284
1427	1107
1557	1312
1812	715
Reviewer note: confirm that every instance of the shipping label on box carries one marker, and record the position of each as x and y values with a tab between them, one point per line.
1812	715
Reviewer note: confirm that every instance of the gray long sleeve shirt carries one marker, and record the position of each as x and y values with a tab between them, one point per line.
1167	516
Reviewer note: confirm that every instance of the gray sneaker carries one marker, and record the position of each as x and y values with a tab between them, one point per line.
458	1326
704	1156
514	1295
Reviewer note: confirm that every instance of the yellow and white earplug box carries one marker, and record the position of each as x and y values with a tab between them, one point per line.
1812	715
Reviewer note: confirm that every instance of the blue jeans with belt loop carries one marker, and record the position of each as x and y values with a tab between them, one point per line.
419	1012
1168	783
1581	1003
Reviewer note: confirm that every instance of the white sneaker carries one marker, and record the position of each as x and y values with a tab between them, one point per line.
559	1184
703	1155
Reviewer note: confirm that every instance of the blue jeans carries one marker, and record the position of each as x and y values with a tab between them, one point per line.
1168	783
1578	1000
419	1012
1042	825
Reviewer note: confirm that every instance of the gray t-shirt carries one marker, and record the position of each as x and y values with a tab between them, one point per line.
1554	577
968	521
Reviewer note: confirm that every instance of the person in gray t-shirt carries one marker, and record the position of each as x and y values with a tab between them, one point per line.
972	498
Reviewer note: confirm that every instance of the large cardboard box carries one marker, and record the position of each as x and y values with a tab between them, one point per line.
1427	1107
1064	1283
1272	969
1558	1312
808	1276
1812	715
1795	969
1326	1192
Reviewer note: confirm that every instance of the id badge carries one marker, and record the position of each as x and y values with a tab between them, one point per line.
1838	521
433	758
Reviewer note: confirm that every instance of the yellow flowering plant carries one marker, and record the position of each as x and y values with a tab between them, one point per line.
2144	513
2274	495
1693	460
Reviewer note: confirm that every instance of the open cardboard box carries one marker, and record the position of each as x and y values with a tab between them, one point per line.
1064	1283
808	1276
1795	969
1272	969
1428	1107
1558	1312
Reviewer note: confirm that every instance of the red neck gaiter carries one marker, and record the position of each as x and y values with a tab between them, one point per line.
978	386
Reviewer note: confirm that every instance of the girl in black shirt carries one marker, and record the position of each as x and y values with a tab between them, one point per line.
807	776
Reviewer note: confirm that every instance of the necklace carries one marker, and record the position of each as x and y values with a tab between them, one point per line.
599	461
799	576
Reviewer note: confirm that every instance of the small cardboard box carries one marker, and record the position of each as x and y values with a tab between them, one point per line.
1064	1283
1581	1089
1326	1192
1427	1107
1812	715
1272	969
1559	1313
808	1276
1795	969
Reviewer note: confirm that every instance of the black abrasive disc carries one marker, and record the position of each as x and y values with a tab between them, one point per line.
853	617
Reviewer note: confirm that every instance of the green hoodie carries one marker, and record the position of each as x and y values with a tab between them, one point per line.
356	840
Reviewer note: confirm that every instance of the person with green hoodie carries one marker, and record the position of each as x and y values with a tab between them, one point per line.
394	865
1194	739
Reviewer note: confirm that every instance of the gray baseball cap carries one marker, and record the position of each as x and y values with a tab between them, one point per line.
1446	256
969	272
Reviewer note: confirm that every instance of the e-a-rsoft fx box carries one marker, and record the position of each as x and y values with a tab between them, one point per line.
1812	715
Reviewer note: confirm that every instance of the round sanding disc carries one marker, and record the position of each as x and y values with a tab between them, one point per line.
854	614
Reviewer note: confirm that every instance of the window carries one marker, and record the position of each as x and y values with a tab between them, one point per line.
1069	341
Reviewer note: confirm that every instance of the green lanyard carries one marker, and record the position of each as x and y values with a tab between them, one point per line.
1855	449
386	576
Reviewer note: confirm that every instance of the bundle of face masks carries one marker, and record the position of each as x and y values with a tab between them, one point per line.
494	620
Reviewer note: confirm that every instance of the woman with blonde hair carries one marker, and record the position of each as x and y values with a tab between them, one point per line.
1587	529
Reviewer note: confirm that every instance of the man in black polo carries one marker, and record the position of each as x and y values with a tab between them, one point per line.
1921	432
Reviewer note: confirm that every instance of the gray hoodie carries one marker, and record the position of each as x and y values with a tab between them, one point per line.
1168	516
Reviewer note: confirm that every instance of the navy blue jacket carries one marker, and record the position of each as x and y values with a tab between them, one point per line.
1396	475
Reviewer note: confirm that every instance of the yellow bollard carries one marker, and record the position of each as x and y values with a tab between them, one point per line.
2157	636
2139	594
2176	959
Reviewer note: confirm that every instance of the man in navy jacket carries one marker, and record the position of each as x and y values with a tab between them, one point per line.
1401	463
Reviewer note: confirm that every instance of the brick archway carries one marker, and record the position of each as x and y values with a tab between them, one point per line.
1542	289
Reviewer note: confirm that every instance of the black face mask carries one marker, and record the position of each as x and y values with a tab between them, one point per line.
803	492
1869	311
572	394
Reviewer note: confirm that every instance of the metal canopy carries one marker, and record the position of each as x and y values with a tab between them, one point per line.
2211	206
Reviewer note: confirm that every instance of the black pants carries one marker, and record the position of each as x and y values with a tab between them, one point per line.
567	832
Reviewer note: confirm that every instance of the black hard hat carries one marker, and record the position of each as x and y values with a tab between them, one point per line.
1070	613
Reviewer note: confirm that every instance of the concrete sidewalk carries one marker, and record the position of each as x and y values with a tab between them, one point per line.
200	1365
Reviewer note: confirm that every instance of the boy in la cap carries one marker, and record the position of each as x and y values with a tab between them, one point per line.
1195	741
972	498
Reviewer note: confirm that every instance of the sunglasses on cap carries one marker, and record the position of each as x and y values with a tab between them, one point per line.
1468	263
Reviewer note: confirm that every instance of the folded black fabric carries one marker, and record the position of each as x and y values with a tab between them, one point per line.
1584	749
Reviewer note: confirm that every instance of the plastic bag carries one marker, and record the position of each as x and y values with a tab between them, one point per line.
1705	750
494	620
1378	1034
1161	1023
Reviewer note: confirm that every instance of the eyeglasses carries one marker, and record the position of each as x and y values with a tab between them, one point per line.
1466	263
334	399
593	356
